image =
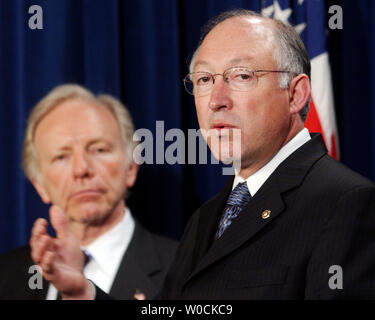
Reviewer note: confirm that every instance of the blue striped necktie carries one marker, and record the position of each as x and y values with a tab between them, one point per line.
237	199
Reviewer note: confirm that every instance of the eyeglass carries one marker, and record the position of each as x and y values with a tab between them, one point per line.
237	78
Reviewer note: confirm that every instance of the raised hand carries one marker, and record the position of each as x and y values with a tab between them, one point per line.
60	258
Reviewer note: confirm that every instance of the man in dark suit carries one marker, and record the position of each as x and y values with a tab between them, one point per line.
292	223
306	227
78	155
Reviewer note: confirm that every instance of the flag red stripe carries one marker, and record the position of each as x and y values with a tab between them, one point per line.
333	153
313	124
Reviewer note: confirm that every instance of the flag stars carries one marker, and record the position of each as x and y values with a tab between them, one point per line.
283	14
280	14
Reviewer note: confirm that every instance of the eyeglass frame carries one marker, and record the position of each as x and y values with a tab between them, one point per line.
187	77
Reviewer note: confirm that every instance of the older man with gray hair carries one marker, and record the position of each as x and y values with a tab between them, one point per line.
78	154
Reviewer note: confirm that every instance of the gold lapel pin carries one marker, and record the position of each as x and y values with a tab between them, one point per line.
266	214
139	295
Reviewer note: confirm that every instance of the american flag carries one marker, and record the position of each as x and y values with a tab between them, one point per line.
310	20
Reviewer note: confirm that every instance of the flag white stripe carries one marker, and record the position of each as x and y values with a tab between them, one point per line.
322	94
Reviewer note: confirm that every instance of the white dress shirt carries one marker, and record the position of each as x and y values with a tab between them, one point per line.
258	178
107	252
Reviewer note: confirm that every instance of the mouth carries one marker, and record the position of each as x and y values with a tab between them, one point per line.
87	193
220	126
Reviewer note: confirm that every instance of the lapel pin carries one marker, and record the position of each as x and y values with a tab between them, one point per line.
266	214
139	295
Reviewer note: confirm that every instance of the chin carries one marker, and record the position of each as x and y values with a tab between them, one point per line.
88	214
227	153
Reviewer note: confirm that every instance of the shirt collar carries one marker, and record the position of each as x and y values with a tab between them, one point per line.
257	179
108	249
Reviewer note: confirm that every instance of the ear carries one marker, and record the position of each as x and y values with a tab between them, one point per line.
131	174
299	92
41	191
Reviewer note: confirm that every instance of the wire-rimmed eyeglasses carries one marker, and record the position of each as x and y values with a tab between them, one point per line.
237	78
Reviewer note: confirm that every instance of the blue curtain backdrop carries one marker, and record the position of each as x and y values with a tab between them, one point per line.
138	51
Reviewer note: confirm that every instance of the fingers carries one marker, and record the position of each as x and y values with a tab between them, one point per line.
40	247
59	221
47	263
38	231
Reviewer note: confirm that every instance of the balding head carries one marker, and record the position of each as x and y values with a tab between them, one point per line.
288	51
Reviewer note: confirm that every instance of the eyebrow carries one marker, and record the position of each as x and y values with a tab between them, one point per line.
231	62
199	62
99	140
66	147
241	59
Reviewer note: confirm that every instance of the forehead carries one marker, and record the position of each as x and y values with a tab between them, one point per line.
250	40
76	119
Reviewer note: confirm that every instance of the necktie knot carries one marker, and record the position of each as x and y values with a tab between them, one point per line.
239	196
88	257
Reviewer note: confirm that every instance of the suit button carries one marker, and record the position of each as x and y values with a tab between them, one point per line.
266	214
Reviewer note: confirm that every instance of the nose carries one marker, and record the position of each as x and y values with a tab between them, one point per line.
81	165
220	95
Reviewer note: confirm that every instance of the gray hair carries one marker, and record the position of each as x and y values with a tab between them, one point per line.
290	53
60	94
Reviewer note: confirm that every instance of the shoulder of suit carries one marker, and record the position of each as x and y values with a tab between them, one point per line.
19	254
338	174
162	244
14	267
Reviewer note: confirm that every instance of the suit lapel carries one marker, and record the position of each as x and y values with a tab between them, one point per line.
137	265
245	226
209	216
262	209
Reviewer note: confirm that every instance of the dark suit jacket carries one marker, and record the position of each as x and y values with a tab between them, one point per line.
143	267
322	215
